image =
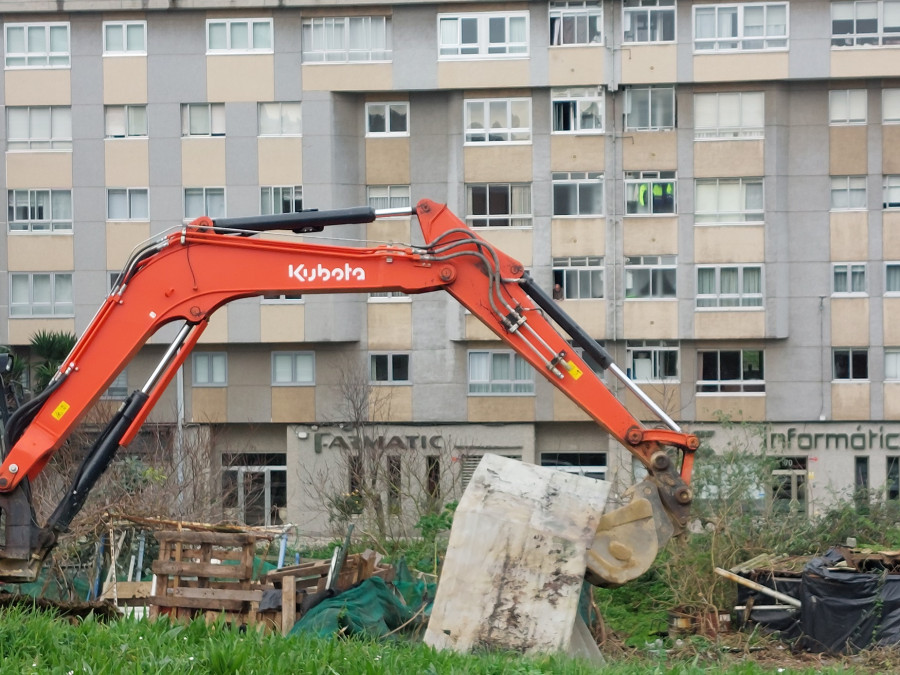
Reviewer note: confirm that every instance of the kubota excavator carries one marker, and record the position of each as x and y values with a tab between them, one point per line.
187	274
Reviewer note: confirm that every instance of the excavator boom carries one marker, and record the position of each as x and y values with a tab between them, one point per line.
186	275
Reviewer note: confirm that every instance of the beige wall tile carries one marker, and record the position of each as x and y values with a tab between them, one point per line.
651	319
217	330
646	150
649	64
244	77
203	162
39	170
857	63
483	74
736	408
849	235
349	77
729	243
577	152
729	325
280	161
576	65
728	159
41	252
38	87
390	325
850	401
849	153
293	404
121	238
850	322
650	236
209	405
501	408
127	162
125	80
507	164
731	67
578	236
21	330
387	161
282	323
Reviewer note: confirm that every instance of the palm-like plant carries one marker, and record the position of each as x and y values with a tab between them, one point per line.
51	347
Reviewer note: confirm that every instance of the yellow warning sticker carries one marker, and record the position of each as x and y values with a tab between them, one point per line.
61	410
575	371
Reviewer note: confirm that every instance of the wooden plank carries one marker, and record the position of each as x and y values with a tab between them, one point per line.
288	604
207	604
516	559
217	594
192	569
215	538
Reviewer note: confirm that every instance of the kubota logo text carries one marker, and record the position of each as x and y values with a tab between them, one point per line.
321	273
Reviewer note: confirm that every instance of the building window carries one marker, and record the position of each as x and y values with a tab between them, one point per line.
891	192
578	277
280	199
388	196
649	21
892	364
729	200
577	193
741	27
121	38
40	211
789	485
278	119
847	106
890	106
649	108
575	22
433	478
651	360
346	39
851	364
650	277
498	120
204	202
125	121
730	371
387	119
291	369
39	128
37	45
389	368
254	487
118	388
861	480
394	476
721	286
649	193
389	296
40	294
728	115
483	35
589	464
281	298
892	484
849	278
848	193
498	205
865	23
578	110
230	36
127	204
892	278
499	372
210	369
203	119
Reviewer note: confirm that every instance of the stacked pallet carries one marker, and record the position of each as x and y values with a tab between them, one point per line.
208	574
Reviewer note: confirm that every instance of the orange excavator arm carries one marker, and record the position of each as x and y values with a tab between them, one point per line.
187	274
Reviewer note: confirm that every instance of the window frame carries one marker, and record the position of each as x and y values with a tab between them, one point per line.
856	39
575	279
54	225
654	92
388	117
207	193
848	102
644	6
890	98
575	10
212	361
129	192
849	270
511	216
57	309
322	54
739	132
296	193
64	58
740	36
127	119
892	374
514	135
666	263
569	102
633	182
849	188
281	117
117	389
512	49
124	25
215	117
391	367
888	265
295	379
739	386
31	143
745	216
658	349
251	24
851	353
580	182
719	296
514	360
397	192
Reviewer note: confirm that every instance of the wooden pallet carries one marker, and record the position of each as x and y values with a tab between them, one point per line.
207	574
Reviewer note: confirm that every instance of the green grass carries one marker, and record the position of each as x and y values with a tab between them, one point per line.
39	642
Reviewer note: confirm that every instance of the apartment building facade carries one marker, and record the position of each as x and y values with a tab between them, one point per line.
711	186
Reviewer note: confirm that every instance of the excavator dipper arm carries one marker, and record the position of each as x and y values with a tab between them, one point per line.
187	274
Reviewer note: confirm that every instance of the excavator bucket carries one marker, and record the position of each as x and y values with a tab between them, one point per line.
21	556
